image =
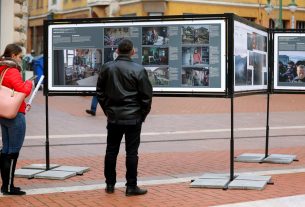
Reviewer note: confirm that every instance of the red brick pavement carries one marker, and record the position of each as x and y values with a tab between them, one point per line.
174	195
187	105
162	165
169	164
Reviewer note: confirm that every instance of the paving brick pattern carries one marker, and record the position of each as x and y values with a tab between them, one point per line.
162	160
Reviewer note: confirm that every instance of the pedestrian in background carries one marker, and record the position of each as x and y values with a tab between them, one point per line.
92	110
125	95
13	130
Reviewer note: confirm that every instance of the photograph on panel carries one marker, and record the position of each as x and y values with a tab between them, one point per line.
195	76
77	66
195	55
154	36
256	42
158	76
195	34
154	56
257	63
112	36
243	75
291	66
110	54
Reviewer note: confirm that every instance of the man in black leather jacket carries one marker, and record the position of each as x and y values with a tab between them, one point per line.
125	95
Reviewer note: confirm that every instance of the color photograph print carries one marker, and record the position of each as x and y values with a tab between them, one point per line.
288	64
195	34
195	76
256	42
195	56
112	36
158	76
154	56
77	66
154	36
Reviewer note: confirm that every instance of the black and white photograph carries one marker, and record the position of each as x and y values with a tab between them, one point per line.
154	56
241	71
194	76
154	36
110	54
158	76
195	34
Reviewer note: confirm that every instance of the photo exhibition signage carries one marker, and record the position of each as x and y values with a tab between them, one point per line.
289	61
179	56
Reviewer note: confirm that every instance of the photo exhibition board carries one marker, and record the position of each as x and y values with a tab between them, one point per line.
179	56
250	58
289	61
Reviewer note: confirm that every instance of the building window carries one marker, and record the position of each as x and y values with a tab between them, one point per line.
272	23
155	14
300	25
251	19
129	15
54	2
39	4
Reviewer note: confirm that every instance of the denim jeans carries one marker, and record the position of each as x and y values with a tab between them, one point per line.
132	142
94	103
13	133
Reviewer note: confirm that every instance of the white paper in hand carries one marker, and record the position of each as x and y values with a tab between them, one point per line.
29	104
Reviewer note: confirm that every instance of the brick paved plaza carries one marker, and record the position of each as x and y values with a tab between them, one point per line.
182	139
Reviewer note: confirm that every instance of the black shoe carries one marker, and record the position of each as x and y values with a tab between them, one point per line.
90	112
14	188
135	190
13	192
109	189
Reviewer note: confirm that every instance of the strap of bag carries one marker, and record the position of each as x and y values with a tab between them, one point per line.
2	75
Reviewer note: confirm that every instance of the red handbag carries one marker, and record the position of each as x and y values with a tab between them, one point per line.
10	100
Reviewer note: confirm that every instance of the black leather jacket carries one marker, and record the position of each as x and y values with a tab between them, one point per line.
124	91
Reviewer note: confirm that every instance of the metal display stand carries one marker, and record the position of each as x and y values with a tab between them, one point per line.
47	170
223	181
267	158
231	181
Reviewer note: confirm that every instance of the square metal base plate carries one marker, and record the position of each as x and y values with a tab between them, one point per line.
40	166
55	175
280	158
76	169
243	181
27	173
248	184
250	157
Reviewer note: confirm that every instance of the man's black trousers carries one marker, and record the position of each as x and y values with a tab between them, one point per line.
132	142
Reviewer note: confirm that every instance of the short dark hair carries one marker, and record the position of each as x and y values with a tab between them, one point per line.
125	46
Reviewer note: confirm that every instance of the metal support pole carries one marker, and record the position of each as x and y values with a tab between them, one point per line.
47	135
267	126
232	140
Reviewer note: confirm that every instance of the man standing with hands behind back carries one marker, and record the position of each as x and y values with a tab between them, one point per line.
125	95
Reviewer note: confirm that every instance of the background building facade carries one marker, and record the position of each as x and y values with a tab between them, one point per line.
253	10
13	22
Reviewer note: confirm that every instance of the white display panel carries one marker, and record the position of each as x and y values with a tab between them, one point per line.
289	53
179	56
250	58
